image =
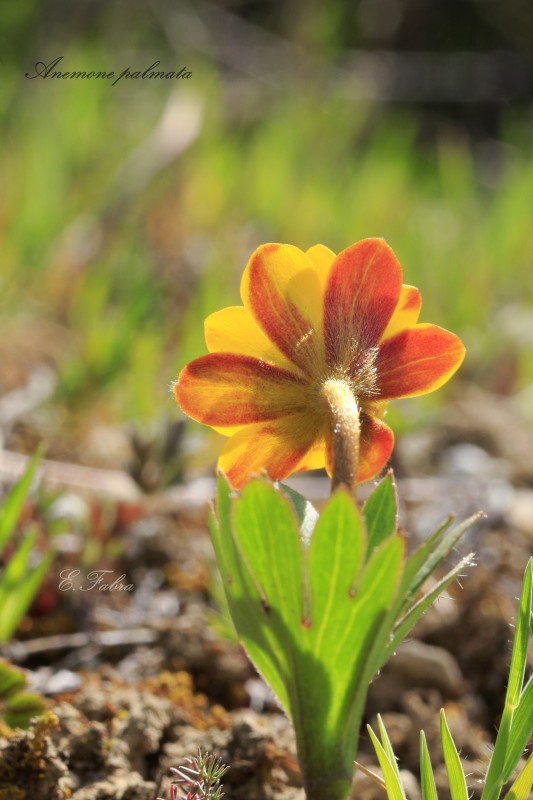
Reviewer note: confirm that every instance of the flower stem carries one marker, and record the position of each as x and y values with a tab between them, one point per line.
345	432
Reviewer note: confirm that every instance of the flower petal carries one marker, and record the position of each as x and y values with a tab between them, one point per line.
226	389
233	330
375	447
362	292
279	447
322	258
281	289
377	442
417	360
406	312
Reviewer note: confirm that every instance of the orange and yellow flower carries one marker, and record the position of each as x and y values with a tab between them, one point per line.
309	320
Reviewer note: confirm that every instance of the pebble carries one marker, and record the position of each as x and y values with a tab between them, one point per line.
424	665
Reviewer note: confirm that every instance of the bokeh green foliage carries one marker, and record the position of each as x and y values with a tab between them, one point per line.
126	275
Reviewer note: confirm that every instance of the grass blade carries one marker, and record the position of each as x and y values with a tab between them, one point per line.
496	771
393	783
14	501
521	788
427	780
454	768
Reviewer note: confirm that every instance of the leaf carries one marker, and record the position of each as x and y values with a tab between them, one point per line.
11	680
521	637
20	597
521	788
14	501
306	513
392	781
387	746
454	768
521	730
497	766
310	615
245	602
406	623
427	779
19	710
381	513
423	562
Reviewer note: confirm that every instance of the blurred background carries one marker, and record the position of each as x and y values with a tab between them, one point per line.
129	208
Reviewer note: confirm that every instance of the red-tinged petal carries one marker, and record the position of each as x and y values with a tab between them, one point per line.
375	447
233	330
224	389
362	292
406	312
417	360
281	289
322	258
377	442
279	447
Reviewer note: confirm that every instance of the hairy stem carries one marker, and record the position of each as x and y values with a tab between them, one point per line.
345	432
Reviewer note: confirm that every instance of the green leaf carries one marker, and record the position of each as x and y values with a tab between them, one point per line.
14	501
306	513
407	622
521	730
454	768
246	603
520	642
12	680
497	766
381	513
19	598
427	779
387	746
423	562
393	783
521	788
309	615
20	709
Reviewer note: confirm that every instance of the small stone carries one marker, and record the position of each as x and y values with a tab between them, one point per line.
424	665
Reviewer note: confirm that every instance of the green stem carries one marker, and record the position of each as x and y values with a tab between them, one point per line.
345	432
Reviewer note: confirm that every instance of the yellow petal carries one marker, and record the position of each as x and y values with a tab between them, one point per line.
233	330
406	312
322	257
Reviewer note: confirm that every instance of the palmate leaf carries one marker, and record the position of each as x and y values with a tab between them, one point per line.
308	613
314	601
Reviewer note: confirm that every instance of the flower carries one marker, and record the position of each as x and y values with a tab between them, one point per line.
319	340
